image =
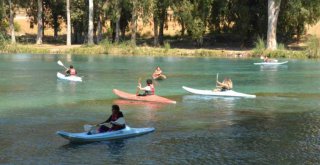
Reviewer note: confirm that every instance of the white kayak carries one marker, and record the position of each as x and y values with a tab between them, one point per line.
83	137
270	63
228	93
70	78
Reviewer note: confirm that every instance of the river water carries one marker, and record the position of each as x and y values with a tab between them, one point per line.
280	126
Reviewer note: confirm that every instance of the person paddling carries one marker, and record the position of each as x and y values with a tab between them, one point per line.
116	119
157	73
267	59
148	90
71	71
225	85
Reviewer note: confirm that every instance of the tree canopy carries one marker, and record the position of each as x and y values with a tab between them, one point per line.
244	20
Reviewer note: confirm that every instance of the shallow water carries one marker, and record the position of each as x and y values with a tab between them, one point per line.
280	126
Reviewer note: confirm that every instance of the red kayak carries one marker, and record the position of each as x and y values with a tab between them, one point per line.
151	98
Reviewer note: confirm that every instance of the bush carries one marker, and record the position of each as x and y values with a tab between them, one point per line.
281	46
313	47
260	46
167	46
3	40
17	27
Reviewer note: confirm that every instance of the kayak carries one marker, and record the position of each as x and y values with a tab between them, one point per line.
159	77
270	63
83	137
70	78
228	93
151	98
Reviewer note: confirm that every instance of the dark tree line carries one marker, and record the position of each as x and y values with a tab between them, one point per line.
245	20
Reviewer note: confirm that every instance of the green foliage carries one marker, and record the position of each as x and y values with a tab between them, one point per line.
294	16
17	27
313	47
3	40
260	46
167	46
281	46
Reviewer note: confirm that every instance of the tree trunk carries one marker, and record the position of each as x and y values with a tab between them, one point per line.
161	26
40	23
133	27
155	31
90	28
55	27
99	36
13	36
68	24
116	40
162	21
273	12
183	29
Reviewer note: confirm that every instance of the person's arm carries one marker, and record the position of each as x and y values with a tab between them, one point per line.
147	88
107	121
230	85
222	84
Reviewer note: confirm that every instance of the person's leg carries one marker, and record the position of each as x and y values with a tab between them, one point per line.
103	128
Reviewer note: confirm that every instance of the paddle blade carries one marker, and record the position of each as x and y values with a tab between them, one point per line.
60	63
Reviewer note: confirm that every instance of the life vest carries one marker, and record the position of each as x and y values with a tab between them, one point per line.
152	89
73	72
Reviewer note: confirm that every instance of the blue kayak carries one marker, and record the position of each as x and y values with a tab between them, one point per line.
83	137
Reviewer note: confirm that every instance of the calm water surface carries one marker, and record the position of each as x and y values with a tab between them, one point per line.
280	126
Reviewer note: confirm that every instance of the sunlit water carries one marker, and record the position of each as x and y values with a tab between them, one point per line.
280	126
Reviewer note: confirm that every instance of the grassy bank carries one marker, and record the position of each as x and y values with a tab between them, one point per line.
127	49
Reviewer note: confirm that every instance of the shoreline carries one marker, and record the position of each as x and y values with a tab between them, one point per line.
127	50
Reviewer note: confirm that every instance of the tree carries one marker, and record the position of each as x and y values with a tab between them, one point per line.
40	22
159	19
68	23
273	13
140	8
90	27
193	15
114	12
55	12
13	37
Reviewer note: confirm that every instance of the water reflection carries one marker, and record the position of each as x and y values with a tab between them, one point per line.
151	106
147	110
101	151
273	67
218	102
63	86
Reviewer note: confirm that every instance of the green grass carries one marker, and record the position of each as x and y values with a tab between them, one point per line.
126	48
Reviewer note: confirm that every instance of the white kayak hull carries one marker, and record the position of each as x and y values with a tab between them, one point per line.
229	93
270	63
70	78
83	137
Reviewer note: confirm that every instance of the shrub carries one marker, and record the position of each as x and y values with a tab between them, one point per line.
313	47
167	46
259	46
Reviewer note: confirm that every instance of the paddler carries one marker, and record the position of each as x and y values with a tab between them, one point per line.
225	85
71	71
157	73
148	90
116	120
